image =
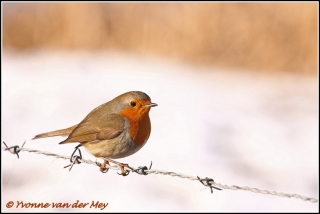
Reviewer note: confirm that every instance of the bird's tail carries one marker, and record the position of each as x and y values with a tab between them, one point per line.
61	132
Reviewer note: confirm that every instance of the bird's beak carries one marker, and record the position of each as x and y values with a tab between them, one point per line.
151	105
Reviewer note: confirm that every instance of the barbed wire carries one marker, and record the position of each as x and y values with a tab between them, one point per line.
143	170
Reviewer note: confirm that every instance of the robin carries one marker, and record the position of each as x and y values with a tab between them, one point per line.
115	129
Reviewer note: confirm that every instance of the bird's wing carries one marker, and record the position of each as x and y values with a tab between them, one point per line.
104	128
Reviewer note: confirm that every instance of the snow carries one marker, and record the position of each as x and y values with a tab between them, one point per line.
238	127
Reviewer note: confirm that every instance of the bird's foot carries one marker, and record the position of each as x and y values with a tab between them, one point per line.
103	167
124	172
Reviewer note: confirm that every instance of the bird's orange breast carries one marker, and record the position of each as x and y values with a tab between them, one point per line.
140	126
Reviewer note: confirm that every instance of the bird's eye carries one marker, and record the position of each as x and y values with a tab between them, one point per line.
133	104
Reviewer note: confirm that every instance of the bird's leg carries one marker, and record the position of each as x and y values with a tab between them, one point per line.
121	165
103	167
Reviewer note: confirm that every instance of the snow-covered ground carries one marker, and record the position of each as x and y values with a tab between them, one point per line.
237	127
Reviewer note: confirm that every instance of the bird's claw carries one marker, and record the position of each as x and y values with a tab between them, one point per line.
103	167
123	171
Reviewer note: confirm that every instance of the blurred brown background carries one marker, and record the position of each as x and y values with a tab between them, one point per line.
268	37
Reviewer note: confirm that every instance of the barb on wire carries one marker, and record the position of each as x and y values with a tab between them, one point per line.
208	183
75	159
13	149
141	169
145	171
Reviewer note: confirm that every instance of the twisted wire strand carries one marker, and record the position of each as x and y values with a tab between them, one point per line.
207	182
